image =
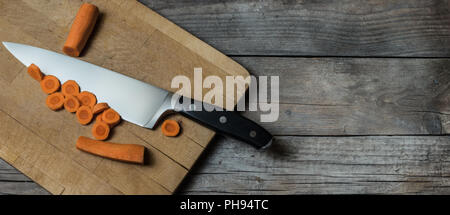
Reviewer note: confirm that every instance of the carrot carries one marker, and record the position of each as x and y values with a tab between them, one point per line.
81	28
84	115
98	118
170	128
87	99
122	152
111	117
55	101
50	84
71	103
100	130
100	107
70	87
35	72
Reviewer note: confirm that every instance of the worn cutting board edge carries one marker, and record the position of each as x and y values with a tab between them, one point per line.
173	161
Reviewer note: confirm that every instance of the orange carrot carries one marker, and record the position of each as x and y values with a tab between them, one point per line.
170	128
122	152
87	99
81	28
70	87
50	84
100	107
55	101
98	118
71	103
111	117
100	130
35	72
84	115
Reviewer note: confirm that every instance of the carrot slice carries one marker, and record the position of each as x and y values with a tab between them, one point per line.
100	130
111	117
71	103
87	99
70	87
98	118
50	84
132	153
35	72
55	101
82	27
84	115
100	107
170	128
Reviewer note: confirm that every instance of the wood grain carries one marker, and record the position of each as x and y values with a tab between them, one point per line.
357	96
412	28
319	96
310	165
15	182
325	165
130	39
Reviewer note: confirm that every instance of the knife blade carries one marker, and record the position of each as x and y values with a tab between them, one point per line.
136	101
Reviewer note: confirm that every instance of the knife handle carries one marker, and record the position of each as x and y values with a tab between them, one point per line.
232	124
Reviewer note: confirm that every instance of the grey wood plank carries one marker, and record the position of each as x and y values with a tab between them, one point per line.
325	165
413	28
14	182
357	96
308	165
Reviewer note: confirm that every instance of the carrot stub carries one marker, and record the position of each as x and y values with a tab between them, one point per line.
55	101
50	84
100	107
100	130
80	30
70	87
111	117
84	115
87	99
132	153
71	103
35	72
170	128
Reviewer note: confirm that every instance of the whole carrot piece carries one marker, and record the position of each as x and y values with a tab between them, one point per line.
81	28
123	152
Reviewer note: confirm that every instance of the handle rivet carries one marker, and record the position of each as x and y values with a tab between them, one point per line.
223	119
252	133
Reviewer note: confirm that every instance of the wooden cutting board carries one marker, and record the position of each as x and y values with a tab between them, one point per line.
129	38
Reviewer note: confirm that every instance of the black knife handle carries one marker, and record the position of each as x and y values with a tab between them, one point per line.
232	124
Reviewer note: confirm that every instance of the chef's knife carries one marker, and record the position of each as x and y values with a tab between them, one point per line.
136	101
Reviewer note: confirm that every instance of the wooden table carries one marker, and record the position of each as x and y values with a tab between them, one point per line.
364	93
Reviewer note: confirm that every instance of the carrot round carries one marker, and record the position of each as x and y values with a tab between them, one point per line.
84	115
87	99
70	87
100	107
55	101
132	153
50	84
100	130
170	128
71	103
98	118
35	72
80	30
111	117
